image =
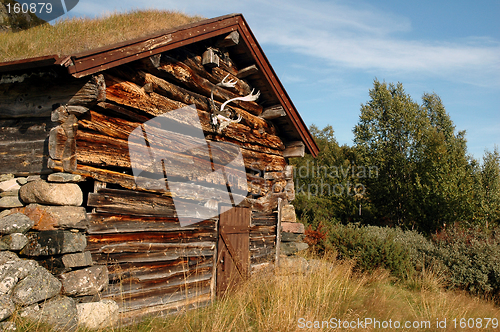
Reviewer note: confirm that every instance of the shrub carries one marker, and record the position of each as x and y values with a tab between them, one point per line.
372	247
472	258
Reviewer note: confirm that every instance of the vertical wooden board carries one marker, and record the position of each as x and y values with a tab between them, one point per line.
233	248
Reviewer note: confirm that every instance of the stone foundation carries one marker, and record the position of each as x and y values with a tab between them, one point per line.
45	272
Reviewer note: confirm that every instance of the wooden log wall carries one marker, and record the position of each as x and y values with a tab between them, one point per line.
155	264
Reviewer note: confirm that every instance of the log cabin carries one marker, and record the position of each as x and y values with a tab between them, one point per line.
176	217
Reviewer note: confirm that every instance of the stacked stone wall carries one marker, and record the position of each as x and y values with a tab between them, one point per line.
45	272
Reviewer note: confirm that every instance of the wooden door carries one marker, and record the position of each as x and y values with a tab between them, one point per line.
233	247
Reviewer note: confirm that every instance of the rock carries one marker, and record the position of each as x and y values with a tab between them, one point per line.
79	259
9	185
15	241
60	313
290	248
288	213
64	177
8	202
30	311
4	246
22	181
6	177
54	243
8	326
97	315
5	213
88	281
7	307
37	286
54	264
7	257
292	227
13	271
52	217
12	193
15	223
32	178
292	237
51	193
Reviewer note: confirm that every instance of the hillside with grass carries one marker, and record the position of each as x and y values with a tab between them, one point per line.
71	36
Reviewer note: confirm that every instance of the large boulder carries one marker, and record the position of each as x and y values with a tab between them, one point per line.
60	313
11	271
88	281
97	315
43	192
54	243
7	307
15	223
37	286
53	217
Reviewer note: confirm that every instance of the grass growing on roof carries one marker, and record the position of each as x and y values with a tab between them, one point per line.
71	36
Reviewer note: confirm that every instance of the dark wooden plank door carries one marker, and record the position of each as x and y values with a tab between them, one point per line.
233	247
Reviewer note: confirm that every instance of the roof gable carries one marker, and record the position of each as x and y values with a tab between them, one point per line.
248	52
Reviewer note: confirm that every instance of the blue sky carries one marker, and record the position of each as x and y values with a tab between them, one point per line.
327	54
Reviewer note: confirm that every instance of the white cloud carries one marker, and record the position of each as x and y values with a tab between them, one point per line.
357	35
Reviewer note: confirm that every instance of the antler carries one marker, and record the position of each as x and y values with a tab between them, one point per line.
250	97
218	114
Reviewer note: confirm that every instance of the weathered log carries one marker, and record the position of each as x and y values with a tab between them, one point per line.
120	128
231	39
96	241
273	112
62	143
192	300
155	270
177	93
96	149
141	203
294	149
256	231
171	68
247	71
181	249
62	113
104	258
186	190
215	75
36	97
130	94
105	223
133	287
23	146
154	300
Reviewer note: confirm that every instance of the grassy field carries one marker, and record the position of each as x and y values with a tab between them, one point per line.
289	301
75	35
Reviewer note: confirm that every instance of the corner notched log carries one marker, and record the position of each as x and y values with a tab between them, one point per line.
36	97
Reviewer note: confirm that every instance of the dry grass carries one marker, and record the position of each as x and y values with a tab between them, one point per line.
75	35
276	302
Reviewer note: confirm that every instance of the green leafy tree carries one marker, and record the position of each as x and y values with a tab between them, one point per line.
426	177
490	181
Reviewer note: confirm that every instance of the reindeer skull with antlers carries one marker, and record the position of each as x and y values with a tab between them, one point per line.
220	118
